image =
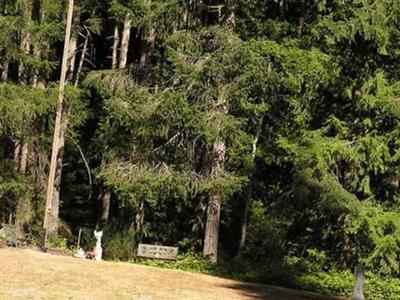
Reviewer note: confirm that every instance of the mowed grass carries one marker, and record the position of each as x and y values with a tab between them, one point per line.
29	274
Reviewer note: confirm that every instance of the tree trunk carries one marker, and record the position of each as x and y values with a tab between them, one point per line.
82	59
41	81
52	192
185	16
148	47
243	231
55	206
125	42
72	57
24	157
138	221
345	253
210	249
231	16
22	72
249	195
105	199
35	78
4	72
36	17
114	63
26	14
17	151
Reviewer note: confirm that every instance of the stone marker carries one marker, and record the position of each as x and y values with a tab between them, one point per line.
80	253
98	251
358	287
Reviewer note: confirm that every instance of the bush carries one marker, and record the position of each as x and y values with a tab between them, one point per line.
190	261
119	245
341	283
379	288
2	239
58	242
293	272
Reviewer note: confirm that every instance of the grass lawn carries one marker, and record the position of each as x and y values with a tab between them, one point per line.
28	274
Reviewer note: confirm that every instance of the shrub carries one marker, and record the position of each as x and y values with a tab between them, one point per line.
2	239
58	242
119	245
190	261
341	283
293	272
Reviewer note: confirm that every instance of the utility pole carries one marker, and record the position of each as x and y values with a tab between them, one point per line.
57	126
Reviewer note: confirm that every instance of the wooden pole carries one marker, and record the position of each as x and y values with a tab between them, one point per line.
57	126
79	238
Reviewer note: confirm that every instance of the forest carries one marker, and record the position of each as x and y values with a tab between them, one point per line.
261	137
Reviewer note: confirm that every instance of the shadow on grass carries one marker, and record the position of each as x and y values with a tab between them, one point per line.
259	291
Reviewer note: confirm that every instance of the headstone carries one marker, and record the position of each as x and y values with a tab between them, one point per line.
98	251
358	287
80	253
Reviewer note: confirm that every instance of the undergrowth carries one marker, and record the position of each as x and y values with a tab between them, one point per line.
293	275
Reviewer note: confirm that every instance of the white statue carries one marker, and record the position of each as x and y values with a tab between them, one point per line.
98	251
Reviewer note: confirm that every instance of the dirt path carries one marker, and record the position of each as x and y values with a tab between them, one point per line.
27	274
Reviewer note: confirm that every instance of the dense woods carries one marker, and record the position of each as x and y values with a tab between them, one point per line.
262	132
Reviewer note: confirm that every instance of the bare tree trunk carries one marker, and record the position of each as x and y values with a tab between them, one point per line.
17	151
24	79
41	81
26	14
55	207
35	78
185	16
125	42
52	201
4	72
249	194
115	47
243	231
231	16
148	47
138	221
217	165
82	59
25	47
72	57
36	17
24	157
105	199
210	249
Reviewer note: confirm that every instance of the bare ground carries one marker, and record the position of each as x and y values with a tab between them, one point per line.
28	274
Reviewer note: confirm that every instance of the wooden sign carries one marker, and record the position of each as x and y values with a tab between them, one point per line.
157	252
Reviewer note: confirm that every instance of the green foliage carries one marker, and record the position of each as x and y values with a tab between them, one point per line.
303	95
119	245
15	194
376	232
264	233
187	262
58	242
341	283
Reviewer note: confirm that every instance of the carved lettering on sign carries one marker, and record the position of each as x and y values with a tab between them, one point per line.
157	252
